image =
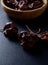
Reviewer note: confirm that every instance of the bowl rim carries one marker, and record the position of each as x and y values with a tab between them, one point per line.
44	4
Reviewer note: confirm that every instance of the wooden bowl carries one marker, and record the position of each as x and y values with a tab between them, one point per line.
27	14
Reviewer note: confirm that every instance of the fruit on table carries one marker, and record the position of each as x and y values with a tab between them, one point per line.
10	29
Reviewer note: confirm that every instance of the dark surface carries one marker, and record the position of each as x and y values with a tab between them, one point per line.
11	53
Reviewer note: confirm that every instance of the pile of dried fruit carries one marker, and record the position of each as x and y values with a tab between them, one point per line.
27	38
24	4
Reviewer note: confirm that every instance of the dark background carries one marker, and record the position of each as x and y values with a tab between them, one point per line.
11	53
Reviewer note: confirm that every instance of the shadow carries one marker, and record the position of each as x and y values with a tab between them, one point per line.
38	49
35	51
12	38
34	24
39	22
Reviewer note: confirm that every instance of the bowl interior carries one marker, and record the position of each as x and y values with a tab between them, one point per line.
44	4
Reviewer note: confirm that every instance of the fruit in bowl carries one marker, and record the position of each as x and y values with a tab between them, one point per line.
24	9
23	4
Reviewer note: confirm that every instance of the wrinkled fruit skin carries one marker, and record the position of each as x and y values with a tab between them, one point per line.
44	38
24	4
10	30
27	40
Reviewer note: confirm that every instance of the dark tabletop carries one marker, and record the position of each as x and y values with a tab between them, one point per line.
11	53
